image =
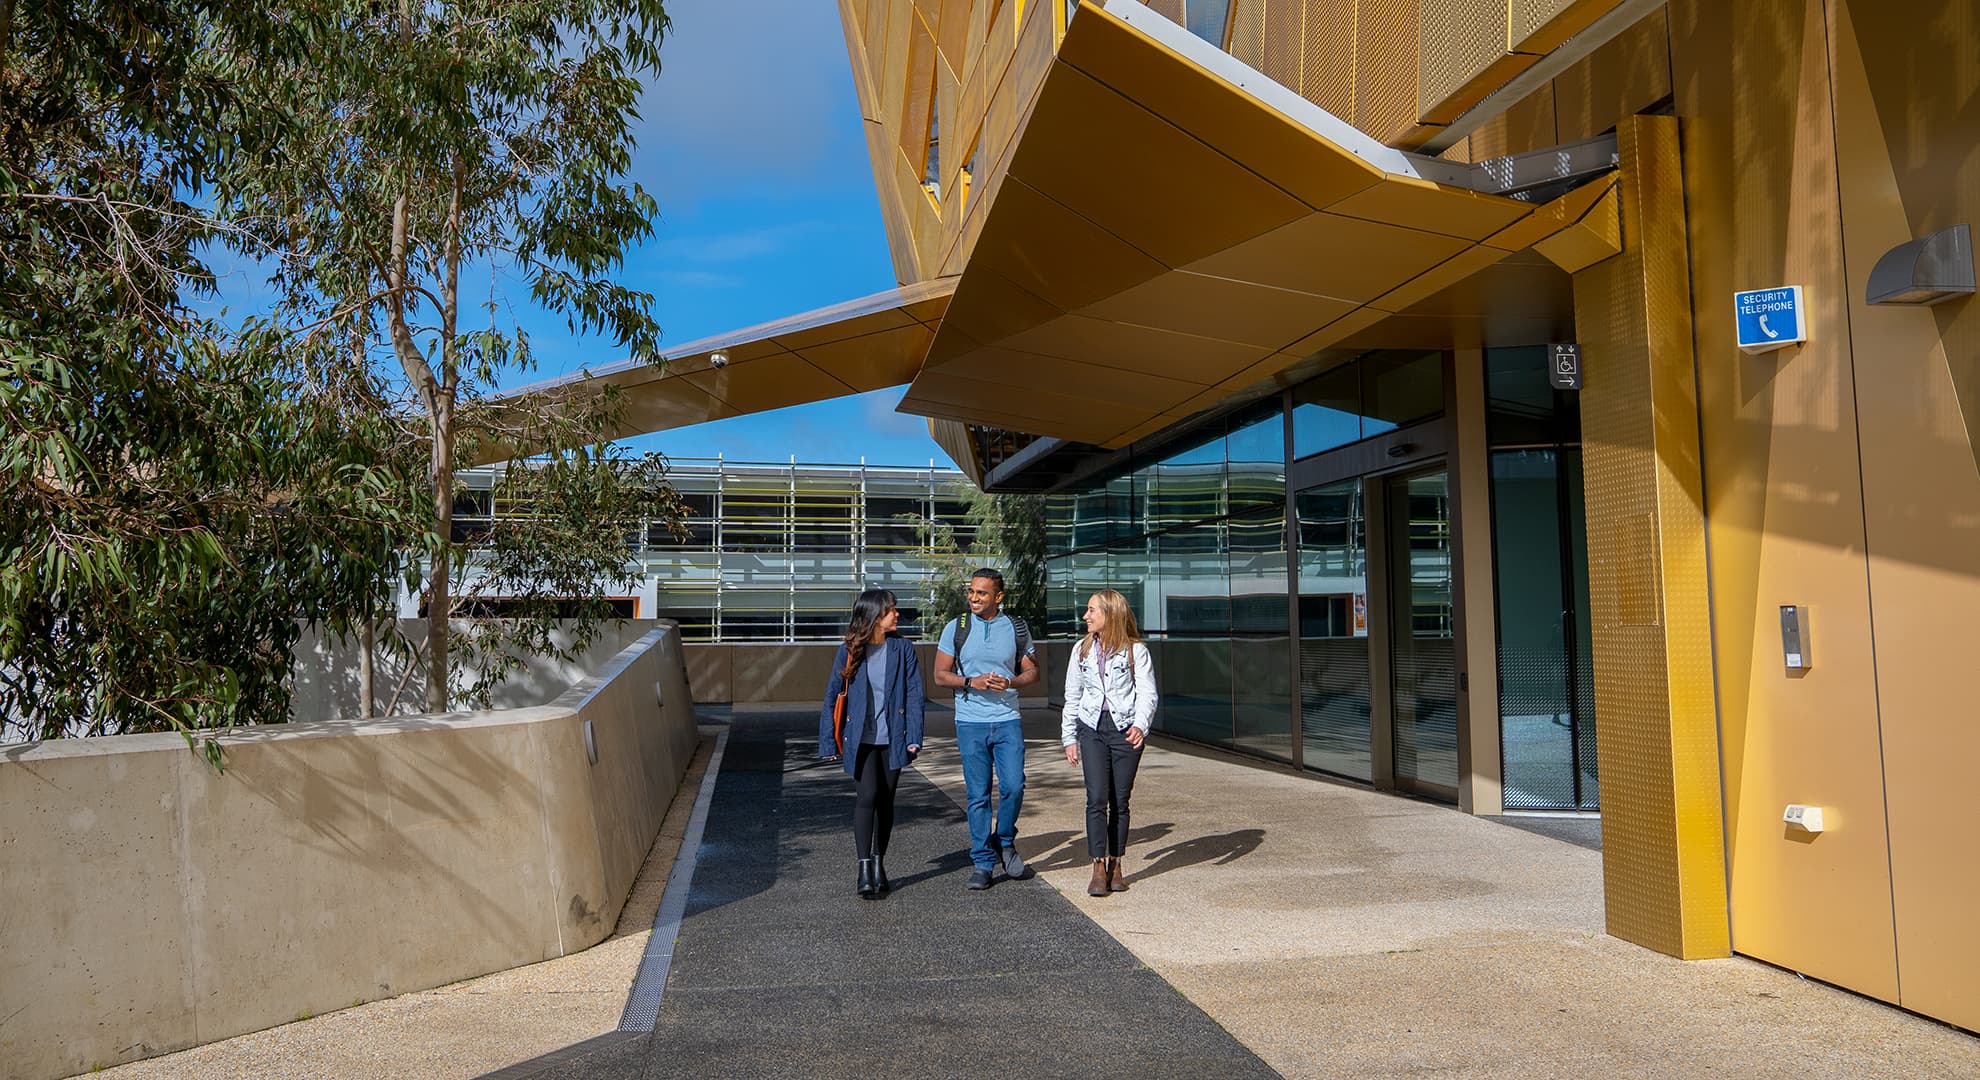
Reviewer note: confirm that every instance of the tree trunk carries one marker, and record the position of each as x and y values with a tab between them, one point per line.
367	674
439	604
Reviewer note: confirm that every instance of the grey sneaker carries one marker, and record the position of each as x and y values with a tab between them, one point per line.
979	879
1014	867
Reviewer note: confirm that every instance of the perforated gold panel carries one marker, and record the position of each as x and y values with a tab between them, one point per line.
1283	41
1326	67
1663	830
1460	39
1248	32
1539	26
1385	70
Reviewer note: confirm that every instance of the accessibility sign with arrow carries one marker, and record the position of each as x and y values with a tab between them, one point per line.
1770	318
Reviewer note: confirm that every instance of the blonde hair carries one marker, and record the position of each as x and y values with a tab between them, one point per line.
1121	630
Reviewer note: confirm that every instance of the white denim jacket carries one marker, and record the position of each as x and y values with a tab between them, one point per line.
1125	693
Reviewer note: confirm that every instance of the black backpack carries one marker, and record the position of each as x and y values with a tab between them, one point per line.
1021	632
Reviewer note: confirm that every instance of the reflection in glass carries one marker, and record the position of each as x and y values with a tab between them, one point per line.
1333	630
1422	670
1194	616
1378	392
1261	687
1207	18
1258	457
1327	411
1400	388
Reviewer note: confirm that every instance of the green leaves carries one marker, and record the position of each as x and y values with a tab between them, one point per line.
179	494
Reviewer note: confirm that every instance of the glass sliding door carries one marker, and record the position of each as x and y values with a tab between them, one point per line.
1333	630
1422	619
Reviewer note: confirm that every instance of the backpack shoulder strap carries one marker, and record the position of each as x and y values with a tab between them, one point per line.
962	635
1022	635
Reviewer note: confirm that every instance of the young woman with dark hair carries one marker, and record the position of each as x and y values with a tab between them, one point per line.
1110	703
883	723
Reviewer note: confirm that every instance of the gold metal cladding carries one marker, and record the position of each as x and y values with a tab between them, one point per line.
1597	236
1903	104
1663	838
970	65
954	438
1164	232
865	344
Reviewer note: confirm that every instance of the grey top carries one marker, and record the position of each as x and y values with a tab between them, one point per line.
876	683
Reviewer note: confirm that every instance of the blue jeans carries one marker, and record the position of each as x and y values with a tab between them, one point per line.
984	746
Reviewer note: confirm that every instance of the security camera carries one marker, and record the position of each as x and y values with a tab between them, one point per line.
718	359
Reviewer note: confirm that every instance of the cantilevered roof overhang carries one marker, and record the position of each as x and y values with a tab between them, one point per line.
1175	228
866	344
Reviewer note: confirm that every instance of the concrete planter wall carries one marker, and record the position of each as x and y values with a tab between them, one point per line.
782	672
148	904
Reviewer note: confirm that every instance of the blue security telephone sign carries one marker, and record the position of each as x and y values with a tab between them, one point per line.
1770	318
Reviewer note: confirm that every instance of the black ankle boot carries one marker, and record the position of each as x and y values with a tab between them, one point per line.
867	889
880	874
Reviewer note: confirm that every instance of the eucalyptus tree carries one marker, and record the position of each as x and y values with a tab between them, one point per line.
420	147
1008	532
174	497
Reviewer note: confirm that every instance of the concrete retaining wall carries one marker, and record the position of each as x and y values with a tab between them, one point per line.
326	685
149	904
754	674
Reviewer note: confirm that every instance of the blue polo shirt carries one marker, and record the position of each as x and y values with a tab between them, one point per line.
990	650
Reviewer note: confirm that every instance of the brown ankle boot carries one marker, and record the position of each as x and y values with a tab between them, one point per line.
1116	881
1098	886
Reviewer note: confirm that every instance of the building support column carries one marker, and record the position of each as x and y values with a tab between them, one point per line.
1480	756
1663	826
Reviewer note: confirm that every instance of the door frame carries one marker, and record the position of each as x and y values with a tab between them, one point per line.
1454	441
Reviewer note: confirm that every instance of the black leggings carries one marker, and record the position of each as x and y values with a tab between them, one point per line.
873	813
1109	762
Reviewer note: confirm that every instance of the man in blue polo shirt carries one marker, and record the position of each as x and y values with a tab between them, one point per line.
994	660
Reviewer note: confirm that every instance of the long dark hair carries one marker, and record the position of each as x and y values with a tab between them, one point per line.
868	610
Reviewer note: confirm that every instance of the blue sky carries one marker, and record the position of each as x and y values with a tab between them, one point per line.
751	141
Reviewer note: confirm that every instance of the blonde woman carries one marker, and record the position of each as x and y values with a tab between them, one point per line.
1110	702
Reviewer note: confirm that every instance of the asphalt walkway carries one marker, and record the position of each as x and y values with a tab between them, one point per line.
779	970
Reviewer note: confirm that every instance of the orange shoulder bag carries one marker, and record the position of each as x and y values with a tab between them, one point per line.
839	703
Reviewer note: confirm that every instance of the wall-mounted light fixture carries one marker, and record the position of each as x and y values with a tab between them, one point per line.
1926	270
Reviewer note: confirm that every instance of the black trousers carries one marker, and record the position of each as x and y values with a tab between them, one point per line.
1109	763
873	812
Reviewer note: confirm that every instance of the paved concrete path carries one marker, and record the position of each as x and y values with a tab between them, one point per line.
1330	930
780	970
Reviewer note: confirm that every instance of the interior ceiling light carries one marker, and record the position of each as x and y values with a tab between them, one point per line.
1926	270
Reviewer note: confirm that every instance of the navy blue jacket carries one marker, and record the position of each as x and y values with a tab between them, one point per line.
903	694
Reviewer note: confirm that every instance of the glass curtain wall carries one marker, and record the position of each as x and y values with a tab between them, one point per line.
1333	629
1540	566
1195	539
777	552
1422	652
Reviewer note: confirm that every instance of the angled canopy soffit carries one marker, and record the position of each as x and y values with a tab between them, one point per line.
1175	228
866	344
